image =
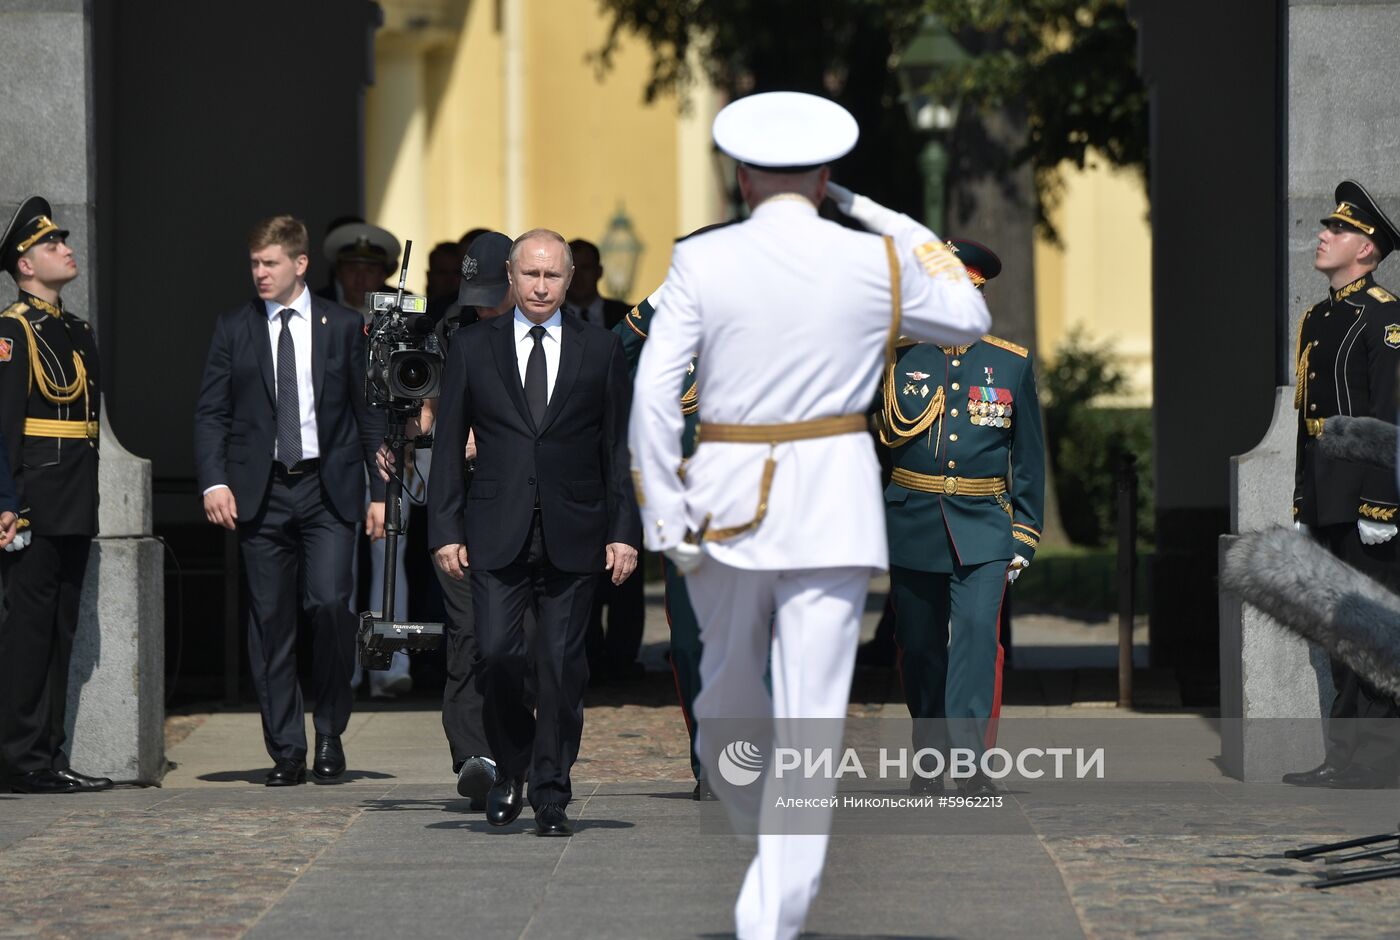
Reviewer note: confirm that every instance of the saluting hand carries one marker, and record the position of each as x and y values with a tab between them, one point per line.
221	508
622	561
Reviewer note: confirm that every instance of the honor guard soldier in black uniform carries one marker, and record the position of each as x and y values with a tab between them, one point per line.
48	413
1347	355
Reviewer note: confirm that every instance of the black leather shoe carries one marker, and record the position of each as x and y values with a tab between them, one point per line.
977	785
330	757
42	781
919	785
1361	778
551	820
475	777
287	773
503	800
1319	776
703	792
83	781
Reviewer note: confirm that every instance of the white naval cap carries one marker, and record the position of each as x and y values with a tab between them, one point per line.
360	241
785	130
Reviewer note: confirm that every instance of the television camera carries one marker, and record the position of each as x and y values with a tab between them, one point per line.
404	367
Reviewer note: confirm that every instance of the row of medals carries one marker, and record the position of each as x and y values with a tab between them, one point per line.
989	414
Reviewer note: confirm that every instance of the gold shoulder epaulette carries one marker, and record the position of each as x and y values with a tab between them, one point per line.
904	342
17	310
1006	344
1381	294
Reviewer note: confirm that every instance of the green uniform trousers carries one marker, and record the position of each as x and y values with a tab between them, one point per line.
685	651
952	683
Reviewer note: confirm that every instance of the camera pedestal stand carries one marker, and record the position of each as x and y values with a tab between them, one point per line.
380	638
1335	877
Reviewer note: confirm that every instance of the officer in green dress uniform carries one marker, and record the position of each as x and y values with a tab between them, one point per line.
48	414
685	628
1348	352
963	513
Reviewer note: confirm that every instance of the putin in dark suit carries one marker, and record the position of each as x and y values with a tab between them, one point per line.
283	436
550	506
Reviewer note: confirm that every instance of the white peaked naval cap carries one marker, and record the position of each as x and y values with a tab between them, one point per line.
785	129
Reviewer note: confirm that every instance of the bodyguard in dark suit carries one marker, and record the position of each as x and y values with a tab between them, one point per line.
612	653
1348	353
49	401
550	506
283	436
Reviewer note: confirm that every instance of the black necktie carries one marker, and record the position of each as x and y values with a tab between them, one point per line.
536	380
288	408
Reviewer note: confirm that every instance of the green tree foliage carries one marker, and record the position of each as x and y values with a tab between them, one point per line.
1067	66
1087	442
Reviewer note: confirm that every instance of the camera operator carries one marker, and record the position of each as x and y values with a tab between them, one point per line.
483	294
281	428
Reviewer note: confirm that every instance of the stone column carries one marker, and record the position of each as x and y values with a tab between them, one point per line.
1275	689
48	146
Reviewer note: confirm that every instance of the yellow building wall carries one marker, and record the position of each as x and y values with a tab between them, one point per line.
1099	278
496	117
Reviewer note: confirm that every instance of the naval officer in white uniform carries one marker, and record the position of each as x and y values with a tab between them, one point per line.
780	508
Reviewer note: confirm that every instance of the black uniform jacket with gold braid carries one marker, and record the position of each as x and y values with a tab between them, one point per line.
963	427
633	330
49	411
1347	354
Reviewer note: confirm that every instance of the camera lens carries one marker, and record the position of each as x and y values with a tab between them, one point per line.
414	374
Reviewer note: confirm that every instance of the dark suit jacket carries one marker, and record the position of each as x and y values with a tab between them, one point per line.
614	312
235	421
577	459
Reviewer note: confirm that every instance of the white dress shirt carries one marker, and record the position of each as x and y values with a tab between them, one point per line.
300	325
524	343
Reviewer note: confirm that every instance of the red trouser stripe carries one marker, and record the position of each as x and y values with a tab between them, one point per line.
991	737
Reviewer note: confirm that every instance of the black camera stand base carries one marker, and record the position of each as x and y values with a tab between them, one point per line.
1333	877
378	640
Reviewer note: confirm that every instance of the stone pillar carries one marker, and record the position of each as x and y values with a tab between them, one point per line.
1275	689
48	146
1273	686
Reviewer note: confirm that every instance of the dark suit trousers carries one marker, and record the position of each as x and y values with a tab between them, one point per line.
546	743
297	532
462	718
1364	727
618	646
43	584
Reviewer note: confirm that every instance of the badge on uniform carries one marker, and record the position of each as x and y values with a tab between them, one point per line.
988	370
917	376
7	349
989	407
1392	336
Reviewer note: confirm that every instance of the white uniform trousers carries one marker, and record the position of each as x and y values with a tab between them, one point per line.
813	645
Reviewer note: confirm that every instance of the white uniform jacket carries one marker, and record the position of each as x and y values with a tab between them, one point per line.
790	315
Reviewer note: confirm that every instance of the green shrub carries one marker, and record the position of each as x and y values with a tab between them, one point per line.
1086	443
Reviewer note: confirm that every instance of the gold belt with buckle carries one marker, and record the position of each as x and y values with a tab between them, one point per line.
781	433
949	486
772	435
1314	426
48	427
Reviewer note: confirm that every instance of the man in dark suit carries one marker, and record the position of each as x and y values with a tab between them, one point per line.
550	506
283	436
612	654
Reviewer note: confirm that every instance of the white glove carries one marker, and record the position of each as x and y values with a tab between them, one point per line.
686	557
1018	564
19	541
1374	533
872	215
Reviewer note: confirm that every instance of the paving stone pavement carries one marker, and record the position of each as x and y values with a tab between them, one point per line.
1162	846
